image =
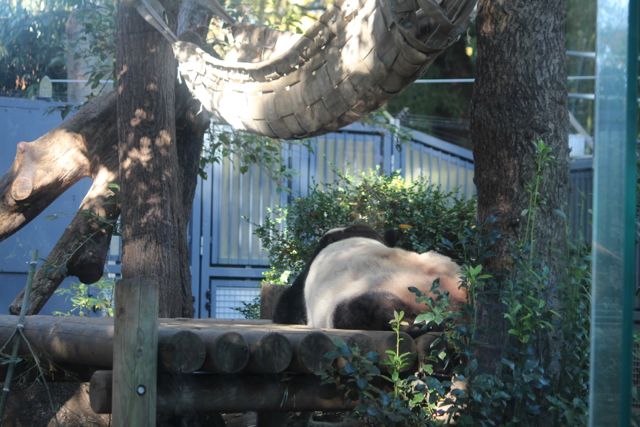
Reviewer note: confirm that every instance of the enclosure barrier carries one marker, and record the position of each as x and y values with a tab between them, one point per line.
220	362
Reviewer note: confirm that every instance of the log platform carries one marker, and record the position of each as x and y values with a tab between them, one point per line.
211	364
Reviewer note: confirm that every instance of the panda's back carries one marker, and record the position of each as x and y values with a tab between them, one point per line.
346	270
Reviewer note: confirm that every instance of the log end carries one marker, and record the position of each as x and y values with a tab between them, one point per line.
181	352
87	269
271	354
311	351
100	392
15	306
228	354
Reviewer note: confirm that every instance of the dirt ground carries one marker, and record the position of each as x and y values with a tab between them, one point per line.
58	404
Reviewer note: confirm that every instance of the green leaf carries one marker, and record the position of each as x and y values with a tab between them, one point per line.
425	317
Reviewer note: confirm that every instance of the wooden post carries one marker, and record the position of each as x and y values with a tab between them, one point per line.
269	296
135	359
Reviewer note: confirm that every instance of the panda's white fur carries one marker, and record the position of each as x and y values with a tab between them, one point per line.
350	268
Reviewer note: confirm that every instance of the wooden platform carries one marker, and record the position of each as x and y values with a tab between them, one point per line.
212	365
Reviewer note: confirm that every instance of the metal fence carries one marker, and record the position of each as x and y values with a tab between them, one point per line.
227	258
230	259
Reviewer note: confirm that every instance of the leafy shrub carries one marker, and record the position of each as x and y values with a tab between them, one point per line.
385	397
249	309
427	218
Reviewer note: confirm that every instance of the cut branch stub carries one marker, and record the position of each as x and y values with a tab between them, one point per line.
21	188
23	184
40	172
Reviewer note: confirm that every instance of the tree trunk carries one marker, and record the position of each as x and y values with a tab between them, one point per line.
154	229
519	98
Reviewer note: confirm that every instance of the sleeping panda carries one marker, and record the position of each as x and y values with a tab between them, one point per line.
290	308
356	281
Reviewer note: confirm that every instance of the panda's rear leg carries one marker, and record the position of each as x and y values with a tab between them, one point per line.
373	311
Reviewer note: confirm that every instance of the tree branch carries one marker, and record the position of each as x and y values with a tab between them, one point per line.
82	249
43	169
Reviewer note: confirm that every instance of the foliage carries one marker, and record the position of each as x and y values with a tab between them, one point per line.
524	386
386	397
426	217
244	150
96	44
283	15
249	310
86	300
32	44
441	110
542	367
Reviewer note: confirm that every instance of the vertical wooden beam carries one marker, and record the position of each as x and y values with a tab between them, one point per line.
135	359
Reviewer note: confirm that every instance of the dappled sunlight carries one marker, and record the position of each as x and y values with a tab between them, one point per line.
143	154
99	190
138	116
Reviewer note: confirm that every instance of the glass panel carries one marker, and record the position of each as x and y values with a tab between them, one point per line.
614	214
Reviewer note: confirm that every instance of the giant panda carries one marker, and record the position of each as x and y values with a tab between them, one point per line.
356	281
291	308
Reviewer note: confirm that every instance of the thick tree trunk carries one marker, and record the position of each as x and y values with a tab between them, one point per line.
519	98
153	228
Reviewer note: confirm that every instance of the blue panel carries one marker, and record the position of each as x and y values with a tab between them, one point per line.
12	283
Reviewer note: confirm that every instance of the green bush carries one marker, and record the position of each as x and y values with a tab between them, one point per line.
427	218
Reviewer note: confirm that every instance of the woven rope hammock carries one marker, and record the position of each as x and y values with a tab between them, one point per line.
356	56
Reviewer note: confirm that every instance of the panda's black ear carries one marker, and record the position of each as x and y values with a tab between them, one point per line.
392	236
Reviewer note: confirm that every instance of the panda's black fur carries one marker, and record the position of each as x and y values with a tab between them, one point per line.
356	279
